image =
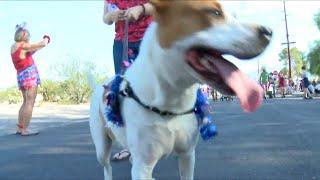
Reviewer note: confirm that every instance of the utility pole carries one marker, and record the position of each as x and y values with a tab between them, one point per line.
287	34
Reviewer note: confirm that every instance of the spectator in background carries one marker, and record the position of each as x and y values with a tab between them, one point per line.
317	87
282	84
264	81
305	84
314	82
290	87
271	84
27	75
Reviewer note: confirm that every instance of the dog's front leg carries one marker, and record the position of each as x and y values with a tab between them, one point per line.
186	165
142	170
145	155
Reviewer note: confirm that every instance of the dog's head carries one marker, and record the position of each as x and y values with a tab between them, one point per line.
203	32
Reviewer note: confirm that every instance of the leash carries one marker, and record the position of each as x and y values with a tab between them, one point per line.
125	44
125	49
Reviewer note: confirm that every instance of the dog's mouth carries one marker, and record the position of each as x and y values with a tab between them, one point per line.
224	76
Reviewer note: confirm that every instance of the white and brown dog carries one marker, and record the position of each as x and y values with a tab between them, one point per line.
183	47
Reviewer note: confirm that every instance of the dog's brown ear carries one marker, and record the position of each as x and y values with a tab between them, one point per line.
160	5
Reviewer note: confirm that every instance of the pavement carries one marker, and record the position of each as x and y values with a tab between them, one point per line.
279	141
45	115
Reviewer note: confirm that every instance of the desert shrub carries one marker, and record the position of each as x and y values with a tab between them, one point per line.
74	86
11	95
50	90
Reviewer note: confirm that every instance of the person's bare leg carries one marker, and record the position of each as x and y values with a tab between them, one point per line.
309	94
20	115
282	92
305	92
264	86
28	108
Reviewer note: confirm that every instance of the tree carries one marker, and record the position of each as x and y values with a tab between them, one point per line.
284	71
314	59
316	19
297	60
314	55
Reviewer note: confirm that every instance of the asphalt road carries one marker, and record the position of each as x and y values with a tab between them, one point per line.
279	141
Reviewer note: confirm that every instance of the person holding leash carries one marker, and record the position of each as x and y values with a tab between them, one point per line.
27	75
137	13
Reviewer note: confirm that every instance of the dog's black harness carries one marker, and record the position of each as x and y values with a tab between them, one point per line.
128	92
113	113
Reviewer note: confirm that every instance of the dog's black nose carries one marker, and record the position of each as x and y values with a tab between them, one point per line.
264	31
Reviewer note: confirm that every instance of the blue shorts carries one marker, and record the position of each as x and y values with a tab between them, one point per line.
306	82
133	50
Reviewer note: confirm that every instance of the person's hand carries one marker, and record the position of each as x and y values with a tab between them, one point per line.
118	15
46	38
134	13
44	42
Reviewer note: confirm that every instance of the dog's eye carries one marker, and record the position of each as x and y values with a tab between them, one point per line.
213	12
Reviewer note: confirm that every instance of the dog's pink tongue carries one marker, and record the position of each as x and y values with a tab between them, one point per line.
248	91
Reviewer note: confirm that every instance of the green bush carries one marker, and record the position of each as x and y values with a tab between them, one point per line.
75	89
50	91
74	86
11	95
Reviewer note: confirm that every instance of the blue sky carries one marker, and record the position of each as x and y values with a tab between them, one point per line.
77	31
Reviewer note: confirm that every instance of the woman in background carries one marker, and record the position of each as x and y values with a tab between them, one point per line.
27	75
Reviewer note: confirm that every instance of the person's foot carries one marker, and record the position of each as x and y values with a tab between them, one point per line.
122	155
29	133
310	97
19	129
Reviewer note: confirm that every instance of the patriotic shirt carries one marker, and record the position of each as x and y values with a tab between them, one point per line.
136	29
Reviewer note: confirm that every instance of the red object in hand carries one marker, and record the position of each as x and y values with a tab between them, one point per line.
48	37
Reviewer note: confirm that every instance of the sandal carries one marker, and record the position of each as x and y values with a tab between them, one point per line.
19	127
121	156
29	133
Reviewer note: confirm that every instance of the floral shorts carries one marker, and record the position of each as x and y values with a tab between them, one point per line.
28	78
